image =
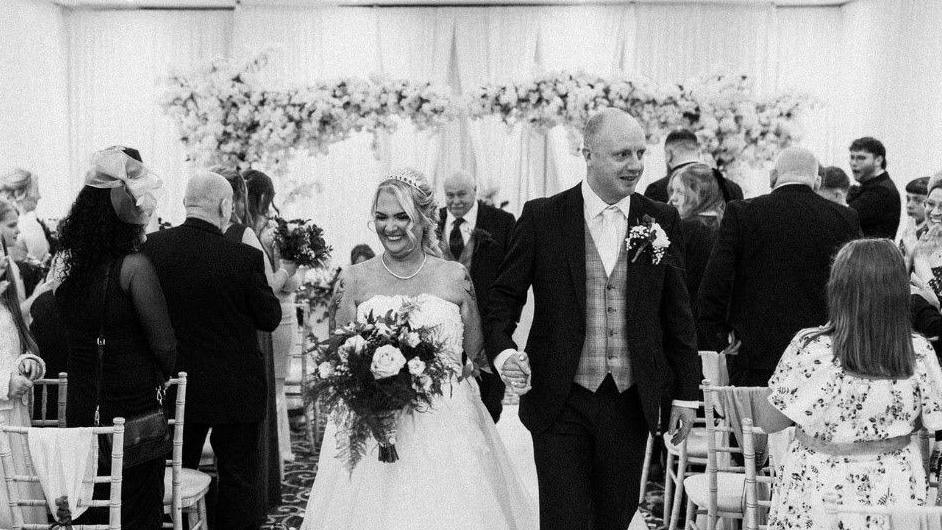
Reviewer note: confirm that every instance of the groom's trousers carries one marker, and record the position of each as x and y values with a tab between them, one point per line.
589	461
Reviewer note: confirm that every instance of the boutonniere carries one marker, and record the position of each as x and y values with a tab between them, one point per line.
648	238
482	236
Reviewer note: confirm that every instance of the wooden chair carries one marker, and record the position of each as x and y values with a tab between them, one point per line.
296	386
12	477
704	490
891	517
62	383
756	503
184	489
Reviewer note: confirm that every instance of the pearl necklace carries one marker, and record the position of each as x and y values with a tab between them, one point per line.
409	277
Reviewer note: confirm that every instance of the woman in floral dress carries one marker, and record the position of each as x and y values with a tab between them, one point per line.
857	389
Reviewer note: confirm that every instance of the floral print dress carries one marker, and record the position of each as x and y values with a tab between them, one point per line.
810	388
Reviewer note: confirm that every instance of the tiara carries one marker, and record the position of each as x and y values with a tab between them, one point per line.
408	175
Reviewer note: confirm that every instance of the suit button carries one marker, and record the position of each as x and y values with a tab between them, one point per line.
611	309
611	333
609	287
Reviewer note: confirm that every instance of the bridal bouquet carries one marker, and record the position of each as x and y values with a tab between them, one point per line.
301	241
371	371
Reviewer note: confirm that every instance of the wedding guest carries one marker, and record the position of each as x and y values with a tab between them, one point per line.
361	253
27	276
19	367
21	187
110	288
834	184
857	389
218	297
696	195
917	191
766	277
927	251
476	235
284	282
876	199
681	148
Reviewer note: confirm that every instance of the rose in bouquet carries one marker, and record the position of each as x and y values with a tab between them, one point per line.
301	241
371	371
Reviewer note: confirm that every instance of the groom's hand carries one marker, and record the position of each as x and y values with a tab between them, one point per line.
680	423
516	372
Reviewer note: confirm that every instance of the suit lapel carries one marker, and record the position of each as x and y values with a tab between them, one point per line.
572	221
634	271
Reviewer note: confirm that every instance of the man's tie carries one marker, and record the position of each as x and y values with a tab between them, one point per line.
455	240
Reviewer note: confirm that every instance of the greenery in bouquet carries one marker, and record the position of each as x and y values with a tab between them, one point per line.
301	241
369	372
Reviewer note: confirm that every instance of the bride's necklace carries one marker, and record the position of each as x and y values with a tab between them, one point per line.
409	277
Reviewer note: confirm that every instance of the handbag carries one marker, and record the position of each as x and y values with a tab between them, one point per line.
146	436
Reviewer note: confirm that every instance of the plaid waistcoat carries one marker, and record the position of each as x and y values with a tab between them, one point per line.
604	350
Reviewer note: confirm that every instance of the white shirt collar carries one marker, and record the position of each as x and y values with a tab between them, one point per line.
593	204
470	218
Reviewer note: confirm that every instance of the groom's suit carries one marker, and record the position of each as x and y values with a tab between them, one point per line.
589	442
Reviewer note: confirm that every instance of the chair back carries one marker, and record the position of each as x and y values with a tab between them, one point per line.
61	384
713	367
758	502
176	455
886	517
13	476
718	436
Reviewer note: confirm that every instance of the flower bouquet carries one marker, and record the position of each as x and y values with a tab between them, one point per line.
371	371
301	241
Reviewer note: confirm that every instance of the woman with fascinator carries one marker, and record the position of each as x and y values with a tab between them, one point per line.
453	470
110	289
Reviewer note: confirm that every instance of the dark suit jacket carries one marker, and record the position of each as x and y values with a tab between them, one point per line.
488	251
547	251
878	206
217	297
658	191
767	274
698	245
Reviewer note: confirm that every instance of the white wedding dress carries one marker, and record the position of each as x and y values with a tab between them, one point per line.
453	470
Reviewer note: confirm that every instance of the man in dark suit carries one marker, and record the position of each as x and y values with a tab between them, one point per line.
767	274
218	297
476	235
876	199
613	341
681	149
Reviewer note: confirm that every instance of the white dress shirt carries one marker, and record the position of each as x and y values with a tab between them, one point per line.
470	222
608	224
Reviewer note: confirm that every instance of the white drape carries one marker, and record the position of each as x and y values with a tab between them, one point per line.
74	81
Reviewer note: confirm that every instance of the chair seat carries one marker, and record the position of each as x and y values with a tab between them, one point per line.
730	494
193	485
696	443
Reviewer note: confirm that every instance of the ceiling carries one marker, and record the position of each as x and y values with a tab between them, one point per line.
210	4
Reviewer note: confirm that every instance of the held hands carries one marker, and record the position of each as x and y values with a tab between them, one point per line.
516	373
31	369
680	423
921	288
19	385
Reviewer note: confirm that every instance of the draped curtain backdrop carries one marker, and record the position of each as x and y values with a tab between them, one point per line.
73	81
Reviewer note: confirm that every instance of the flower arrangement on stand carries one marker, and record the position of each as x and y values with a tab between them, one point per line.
224	114
732	122
317	289
372	371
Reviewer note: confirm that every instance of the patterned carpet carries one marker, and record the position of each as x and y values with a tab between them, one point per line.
299	476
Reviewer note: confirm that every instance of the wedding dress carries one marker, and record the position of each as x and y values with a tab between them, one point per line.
453	470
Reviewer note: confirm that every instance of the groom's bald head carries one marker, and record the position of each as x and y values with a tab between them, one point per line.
208	197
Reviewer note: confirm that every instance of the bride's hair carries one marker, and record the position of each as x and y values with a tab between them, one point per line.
412	190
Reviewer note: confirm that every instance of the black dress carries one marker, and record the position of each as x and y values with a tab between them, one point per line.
268	436
139	356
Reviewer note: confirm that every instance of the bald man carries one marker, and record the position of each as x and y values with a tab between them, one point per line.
217	297
767	274
613	341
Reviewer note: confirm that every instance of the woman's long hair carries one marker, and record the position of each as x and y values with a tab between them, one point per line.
869	309
419	204
10	299
703	193
92	235
239	192
258	200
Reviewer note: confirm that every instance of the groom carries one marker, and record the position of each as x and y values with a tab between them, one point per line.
613	339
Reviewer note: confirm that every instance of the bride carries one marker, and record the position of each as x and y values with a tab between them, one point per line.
453	470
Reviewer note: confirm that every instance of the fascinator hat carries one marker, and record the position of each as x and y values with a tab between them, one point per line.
132	185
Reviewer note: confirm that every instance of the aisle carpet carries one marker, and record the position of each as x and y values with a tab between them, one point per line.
299	475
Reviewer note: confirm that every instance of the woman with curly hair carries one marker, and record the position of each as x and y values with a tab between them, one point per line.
109	289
